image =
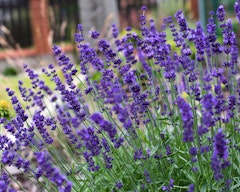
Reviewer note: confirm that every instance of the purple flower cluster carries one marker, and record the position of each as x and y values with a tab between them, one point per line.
237	10
191	188
232	102
78	37
5	182
46	169
114	31
182	22
207	111
200	42
187	118
39	123
93	148
220	154
169	187
229	37
109	128
147	176
211	45
221	13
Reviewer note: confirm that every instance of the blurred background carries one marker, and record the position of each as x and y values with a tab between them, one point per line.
29	28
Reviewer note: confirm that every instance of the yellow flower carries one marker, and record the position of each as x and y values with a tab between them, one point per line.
184	95
222	86
4	105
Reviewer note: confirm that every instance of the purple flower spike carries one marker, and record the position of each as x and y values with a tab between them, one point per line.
193	151
94	34
200	42
147	176
5	183
78	37
191	188
220	145
119	185
104	125
220	155
187	118
237	10
114	31
220	13
46	168
229	37
144	8
91	140
169	187
182	22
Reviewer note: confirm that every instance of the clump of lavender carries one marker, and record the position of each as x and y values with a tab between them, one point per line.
220	155
158	118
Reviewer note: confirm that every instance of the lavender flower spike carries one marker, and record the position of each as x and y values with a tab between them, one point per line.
237	10
220	148
220	13
187	118
220	155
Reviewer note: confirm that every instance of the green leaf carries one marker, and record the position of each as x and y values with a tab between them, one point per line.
203	188
143	137
236	167
185	160
180	187
234	187
189	176
155	149
97	76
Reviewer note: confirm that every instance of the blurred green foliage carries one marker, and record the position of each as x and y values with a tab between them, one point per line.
10	71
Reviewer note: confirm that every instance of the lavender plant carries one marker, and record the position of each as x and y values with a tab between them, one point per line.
155	120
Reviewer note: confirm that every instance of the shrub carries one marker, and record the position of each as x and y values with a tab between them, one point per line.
156	120
10	71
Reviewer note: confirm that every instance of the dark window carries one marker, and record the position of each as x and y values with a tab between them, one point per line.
63	17
15	28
